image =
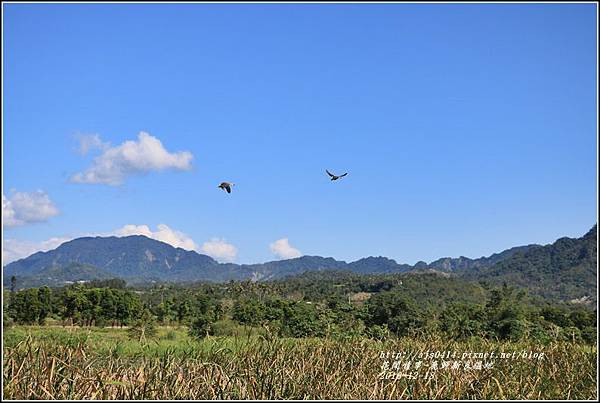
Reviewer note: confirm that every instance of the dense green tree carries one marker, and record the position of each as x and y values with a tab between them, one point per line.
556	315
582	318
249	311
317	304
204	312
302	320
201	326
45	301
398	311
26	308
13	284
506	314
462	321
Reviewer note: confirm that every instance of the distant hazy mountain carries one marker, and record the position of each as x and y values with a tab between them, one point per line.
564	269
462	264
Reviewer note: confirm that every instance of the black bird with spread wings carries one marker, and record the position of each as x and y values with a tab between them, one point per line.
335	177
226	186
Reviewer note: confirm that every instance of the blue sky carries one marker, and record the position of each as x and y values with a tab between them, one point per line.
465	129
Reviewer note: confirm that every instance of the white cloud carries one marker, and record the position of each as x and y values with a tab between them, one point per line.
13	249
144	155
284	250
8	213
88	142
23	207
220	250
163	233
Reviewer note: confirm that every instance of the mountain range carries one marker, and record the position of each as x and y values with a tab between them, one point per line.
566	269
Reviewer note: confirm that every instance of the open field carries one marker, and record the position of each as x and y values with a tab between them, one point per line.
76	363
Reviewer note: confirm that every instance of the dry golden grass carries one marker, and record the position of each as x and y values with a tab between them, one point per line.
257	368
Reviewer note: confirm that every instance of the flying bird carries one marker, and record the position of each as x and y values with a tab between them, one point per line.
226	186
335	177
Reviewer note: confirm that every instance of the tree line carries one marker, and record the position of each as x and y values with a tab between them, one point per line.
313	305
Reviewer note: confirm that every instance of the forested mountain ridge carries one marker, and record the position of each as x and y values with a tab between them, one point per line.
463	264
138	258
127	257
566	269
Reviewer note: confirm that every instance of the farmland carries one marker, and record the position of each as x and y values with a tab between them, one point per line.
52	362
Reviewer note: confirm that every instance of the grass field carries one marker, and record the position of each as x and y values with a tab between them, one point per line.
75	363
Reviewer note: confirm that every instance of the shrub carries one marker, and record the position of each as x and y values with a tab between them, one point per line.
200	326
589	334
378	332
462	321
571	333
144	327
227	327
171	335
512	329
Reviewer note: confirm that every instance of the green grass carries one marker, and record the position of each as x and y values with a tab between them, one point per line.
105	341
65	363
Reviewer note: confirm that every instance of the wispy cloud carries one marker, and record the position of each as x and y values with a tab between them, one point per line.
163	233
284	250
220	250
115	164
88	142
27	207
14	249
